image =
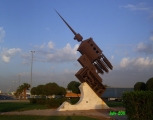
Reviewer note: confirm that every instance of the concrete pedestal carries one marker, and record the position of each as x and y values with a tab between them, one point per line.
88	100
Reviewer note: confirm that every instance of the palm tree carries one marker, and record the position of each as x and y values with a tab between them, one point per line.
26	87
18	92
21	91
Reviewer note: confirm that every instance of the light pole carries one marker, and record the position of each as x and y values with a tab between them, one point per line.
31	70
13	86
19	80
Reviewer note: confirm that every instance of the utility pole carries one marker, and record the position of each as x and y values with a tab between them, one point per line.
31	70
19	80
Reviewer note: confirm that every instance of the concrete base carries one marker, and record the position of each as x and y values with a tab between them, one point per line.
88	100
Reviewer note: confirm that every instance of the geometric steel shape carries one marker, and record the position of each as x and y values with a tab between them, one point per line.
88	76
89	48
92	61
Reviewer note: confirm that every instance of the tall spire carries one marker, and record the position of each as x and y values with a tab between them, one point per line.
77	37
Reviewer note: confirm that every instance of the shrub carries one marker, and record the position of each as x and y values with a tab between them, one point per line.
33	100
149	84
138	105
74	100
53	103
41	101
140	86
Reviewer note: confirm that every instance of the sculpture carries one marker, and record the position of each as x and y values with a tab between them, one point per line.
93	62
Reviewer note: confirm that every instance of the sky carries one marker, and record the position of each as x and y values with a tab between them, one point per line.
123	30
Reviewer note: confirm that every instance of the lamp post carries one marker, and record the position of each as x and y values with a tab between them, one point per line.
19	80
31	70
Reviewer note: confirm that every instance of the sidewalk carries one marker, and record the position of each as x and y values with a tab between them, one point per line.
99	114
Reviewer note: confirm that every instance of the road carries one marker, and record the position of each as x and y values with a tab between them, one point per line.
6	97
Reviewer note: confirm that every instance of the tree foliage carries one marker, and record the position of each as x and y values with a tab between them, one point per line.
22	89
62	91
51	89
74	86
140	86
39	89
48	89
34	91
149	84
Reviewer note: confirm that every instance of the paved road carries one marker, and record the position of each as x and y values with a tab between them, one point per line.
6	97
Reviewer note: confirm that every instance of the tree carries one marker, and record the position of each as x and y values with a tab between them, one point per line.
34	91
22	89
149	84
106	86
26	87
62	91
50	89
18	92
40	89
74	86
140	86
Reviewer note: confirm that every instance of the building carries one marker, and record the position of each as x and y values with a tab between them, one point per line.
115	93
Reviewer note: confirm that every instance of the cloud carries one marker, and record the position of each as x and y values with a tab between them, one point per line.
144	48
137	63
50	45
43	45
151	38
112	57
2	34
48	53
7	54
140	6
65	54
5	58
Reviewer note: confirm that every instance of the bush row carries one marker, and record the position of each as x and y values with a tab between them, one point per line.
139	105
51	103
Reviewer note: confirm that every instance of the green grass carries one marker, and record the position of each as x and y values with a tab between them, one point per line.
25	117
114	104
22	106
19	106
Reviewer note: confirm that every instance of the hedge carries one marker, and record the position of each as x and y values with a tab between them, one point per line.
139	105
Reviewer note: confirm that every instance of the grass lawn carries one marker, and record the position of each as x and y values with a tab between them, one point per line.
25	117
22	106
19	106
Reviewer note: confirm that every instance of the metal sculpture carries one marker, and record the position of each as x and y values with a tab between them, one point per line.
93	62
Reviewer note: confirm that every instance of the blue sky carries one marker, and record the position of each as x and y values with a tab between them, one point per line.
122	29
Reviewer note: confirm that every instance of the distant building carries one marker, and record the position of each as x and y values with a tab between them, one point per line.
72	95
115	93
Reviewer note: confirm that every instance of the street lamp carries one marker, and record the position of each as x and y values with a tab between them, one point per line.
31	70
19	80
13	85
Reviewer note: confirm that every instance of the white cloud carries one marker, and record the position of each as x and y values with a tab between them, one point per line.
151	38
140	6
63	55
50	45
124	62
5	58
43	45
144	48
7	54
112	57
2	34
13	51
138	63
48	53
